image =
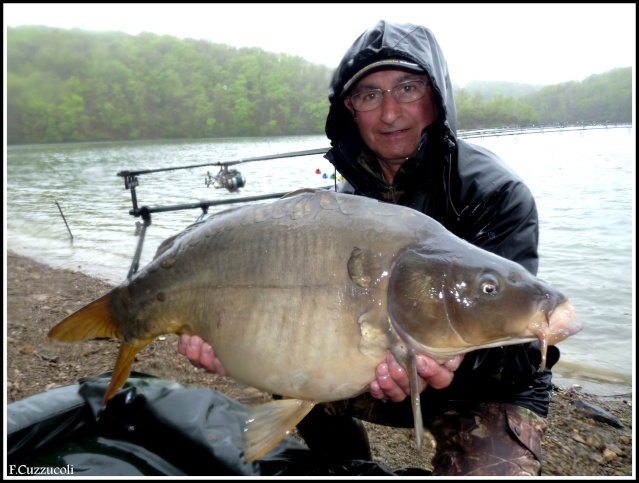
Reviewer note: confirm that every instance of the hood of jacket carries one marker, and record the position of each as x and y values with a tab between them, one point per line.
386	40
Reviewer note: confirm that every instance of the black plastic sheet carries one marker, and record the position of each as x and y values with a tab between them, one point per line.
153	427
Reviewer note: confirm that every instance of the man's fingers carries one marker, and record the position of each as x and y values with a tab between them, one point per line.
435	375
207	358
190	347
386	374
398	374
200	354
383	387
183	342
392	381
454	363
376	391
210	362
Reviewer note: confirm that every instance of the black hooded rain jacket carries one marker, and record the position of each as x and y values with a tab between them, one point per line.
468	189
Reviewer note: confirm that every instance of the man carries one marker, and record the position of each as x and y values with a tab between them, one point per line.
392	127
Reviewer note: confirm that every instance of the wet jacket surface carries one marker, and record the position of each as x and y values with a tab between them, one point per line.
468	189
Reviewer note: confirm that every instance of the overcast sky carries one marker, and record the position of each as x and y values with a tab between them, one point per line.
527	43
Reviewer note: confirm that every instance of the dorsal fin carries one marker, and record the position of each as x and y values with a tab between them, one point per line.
299	192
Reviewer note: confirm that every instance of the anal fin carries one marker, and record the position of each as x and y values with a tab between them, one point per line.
269	423
122	368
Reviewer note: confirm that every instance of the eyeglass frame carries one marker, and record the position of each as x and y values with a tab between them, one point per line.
393	94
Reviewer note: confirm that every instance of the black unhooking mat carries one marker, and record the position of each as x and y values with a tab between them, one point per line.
152	427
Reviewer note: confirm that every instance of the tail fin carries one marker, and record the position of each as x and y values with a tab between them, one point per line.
93	321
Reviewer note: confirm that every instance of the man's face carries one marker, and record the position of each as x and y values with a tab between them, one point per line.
392	130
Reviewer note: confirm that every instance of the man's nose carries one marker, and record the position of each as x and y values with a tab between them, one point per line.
391	108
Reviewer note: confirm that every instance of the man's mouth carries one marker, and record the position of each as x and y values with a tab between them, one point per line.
394	131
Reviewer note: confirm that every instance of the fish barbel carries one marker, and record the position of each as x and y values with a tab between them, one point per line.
303	297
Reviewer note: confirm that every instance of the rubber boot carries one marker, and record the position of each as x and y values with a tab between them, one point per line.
335	437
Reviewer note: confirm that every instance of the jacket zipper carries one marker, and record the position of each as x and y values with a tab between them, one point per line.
391	190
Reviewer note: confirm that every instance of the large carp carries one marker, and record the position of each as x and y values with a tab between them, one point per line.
304	296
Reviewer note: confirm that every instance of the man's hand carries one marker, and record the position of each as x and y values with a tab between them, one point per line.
200	354
393	383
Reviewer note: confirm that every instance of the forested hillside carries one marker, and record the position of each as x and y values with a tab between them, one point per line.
605	97
75	85
602	98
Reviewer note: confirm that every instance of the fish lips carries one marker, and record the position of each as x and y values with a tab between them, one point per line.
561	322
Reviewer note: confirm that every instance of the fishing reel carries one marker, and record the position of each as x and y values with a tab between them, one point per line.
231	179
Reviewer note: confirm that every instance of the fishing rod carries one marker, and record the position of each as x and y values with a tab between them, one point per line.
229	179
228	163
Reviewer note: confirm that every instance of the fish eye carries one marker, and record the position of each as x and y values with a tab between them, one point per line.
489	286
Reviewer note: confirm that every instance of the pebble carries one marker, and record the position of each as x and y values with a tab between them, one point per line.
578	438
625	440
615	449
609	455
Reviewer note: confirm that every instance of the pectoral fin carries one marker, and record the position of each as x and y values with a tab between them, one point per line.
374	339
269	423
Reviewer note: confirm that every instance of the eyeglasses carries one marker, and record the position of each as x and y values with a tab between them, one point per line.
405	92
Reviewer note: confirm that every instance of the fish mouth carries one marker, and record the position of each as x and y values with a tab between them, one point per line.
559	324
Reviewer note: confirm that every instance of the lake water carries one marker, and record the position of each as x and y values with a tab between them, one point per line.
583	182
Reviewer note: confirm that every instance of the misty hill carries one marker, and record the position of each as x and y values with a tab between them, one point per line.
74	85
489	90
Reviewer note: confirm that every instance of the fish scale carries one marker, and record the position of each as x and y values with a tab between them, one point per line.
304	296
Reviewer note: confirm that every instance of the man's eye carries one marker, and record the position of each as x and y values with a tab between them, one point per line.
370	96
